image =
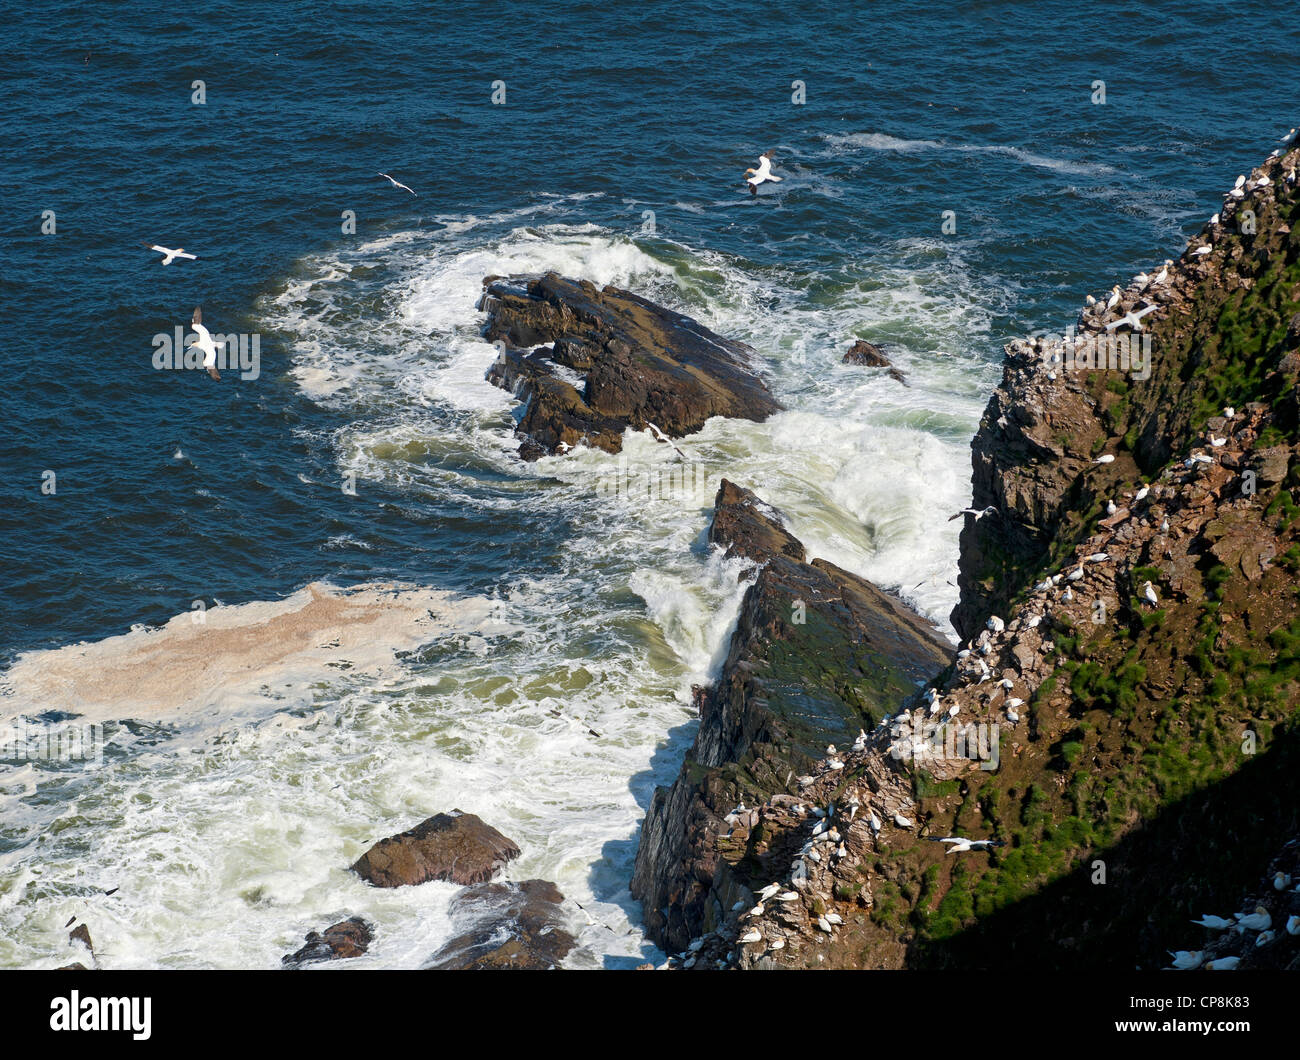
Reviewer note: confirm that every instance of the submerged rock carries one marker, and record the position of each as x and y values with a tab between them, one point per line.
454	846
615	361
519	926
865	353
347	938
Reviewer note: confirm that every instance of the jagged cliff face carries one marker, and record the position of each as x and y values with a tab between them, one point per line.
1137	671
1226	320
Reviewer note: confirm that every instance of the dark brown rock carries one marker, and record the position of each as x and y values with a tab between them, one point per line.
81	933
347	938
640	364
517	926
818	653
864	353
454	846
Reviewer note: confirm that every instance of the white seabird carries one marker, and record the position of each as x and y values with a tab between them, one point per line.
978	513
397	183
204	342
1149	594
1259	920
1105	458
1214	923
761	175
1223	964
1186	960
1113	301
169	255
1133	318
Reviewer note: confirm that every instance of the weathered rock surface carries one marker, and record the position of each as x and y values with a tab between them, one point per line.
865	353
348	938
1044	425
517	926
818	654
454	846
1138	680
603	360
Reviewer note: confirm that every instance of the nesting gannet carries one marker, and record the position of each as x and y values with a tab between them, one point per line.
753	935
1229	412
768	891
1164	526
1223	964
1259	920
1264	938
995	624
1281	881
1105	458
1149	594
169	255
1218	442
875	822
1202	250
902	821
1163	275
1214	220
396	183
978	513
1186	960
1113	301
1089	300
1293	925
1110	507
761	175
1141	494
204	342
1012	716
1075	574
1098	557
1214	923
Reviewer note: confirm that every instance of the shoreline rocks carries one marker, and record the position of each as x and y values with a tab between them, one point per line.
519	926
591	362
453	846
346	939
818	654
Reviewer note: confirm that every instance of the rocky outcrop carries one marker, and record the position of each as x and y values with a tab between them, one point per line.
453	846
1103	761
348	938
517	926
865	353
603	360
1054	412
818	655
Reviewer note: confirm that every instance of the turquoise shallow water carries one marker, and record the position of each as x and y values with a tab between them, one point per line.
172	489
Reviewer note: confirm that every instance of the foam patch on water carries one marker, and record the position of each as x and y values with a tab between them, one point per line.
223	661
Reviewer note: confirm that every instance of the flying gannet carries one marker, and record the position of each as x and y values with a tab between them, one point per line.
169	255
204	342
397	183
978	513
761	175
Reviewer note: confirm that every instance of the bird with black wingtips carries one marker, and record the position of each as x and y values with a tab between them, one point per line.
205	343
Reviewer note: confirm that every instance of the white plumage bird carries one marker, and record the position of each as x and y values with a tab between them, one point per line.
169	255
204	342
397	183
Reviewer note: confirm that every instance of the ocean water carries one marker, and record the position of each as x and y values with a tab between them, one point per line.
572	618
